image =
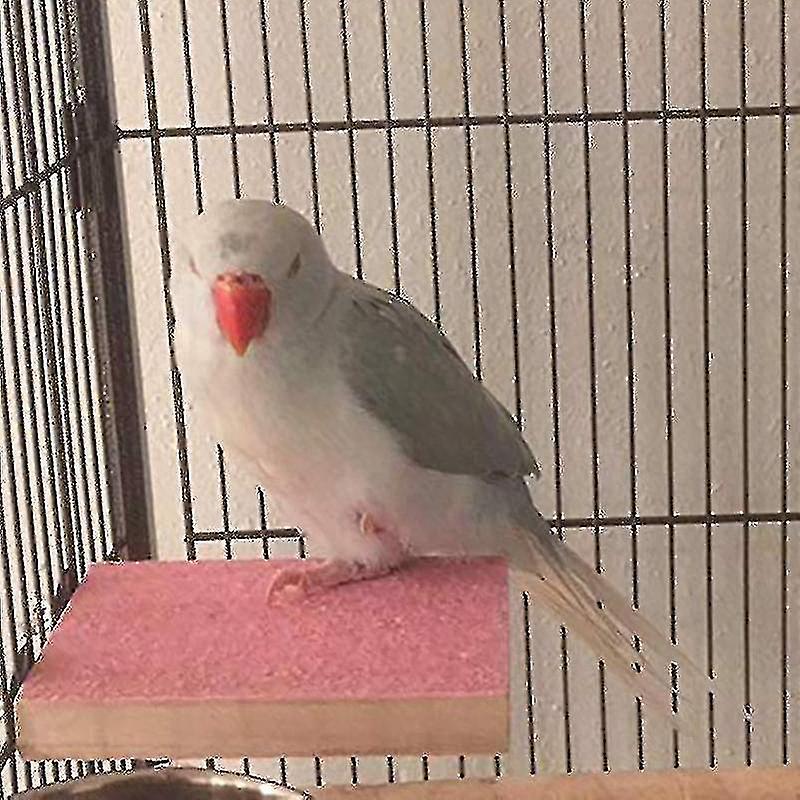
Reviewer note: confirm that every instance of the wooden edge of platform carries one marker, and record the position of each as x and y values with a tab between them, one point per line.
231	729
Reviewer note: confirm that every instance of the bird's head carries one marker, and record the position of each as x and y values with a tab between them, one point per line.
257	267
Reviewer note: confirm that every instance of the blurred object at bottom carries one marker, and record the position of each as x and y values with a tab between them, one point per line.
174	783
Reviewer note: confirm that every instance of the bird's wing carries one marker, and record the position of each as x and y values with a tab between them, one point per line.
406	373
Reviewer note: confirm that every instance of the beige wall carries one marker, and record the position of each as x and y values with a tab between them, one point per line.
648	265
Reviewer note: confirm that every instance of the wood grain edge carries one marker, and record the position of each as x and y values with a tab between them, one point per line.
231	729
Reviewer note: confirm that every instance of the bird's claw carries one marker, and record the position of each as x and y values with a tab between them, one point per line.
291	583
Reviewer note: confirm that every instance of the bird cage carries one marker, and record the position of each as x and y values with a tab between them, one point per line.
592	199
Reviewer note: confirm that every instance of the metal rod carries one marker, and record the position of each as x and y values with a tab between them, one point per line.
262	518
785	693
166	268
468	155
190	105
53	68
429	148
629	318
224	505
565	697
512	261
66	51
226	56
114	322
54	314
351	148
551	274
310	123
748	725
33	184
709	553
603	717
669	399
590	280
30	333
566	523
273	151
390	158
529	687
459	121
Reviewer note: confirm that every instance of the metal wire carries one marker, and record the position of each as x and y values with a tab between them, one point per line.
190	104
61	495
512	265
312	139
264	20
784	146
704	194
158	175
462	121
428	127
351	145
52	374
748	728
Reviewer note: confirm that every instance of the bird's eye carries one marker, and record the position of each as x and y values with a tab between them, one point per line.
295	267
193	267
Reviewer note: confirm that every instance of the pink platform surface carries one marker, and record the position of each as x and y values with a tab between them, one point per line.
161	631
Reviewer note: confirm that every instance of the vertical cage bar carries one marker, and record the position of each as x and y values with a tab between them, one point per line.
591	319
429	147
262	521
587	191
53	70
312	140
785	695
748	725
66	82
387	110
273	151
529	695
709	552
318	779
551	272
351	145
53	314
114	323
22	110
668	354
512	260
226	57
166	267
603	717
190	105
473	237
5	695
631	362
224	504
5	560
565	690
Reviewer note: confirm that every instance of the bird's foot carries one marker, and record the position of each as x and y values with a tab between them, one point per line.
301	580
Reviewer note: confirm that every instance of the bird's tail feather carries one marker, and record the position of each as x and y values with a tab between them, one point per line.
606	622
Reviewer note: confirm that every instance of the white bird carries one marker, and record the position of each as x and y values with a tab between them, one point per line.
362	420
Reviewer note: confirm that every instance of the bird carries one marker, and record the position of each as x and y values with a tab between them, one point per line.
366	425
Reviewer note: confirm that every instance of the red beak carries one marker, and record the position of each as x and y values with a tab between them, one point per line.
243	302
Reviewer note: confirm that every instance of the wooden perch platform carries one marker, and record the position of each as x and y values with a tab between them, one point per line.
187	659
